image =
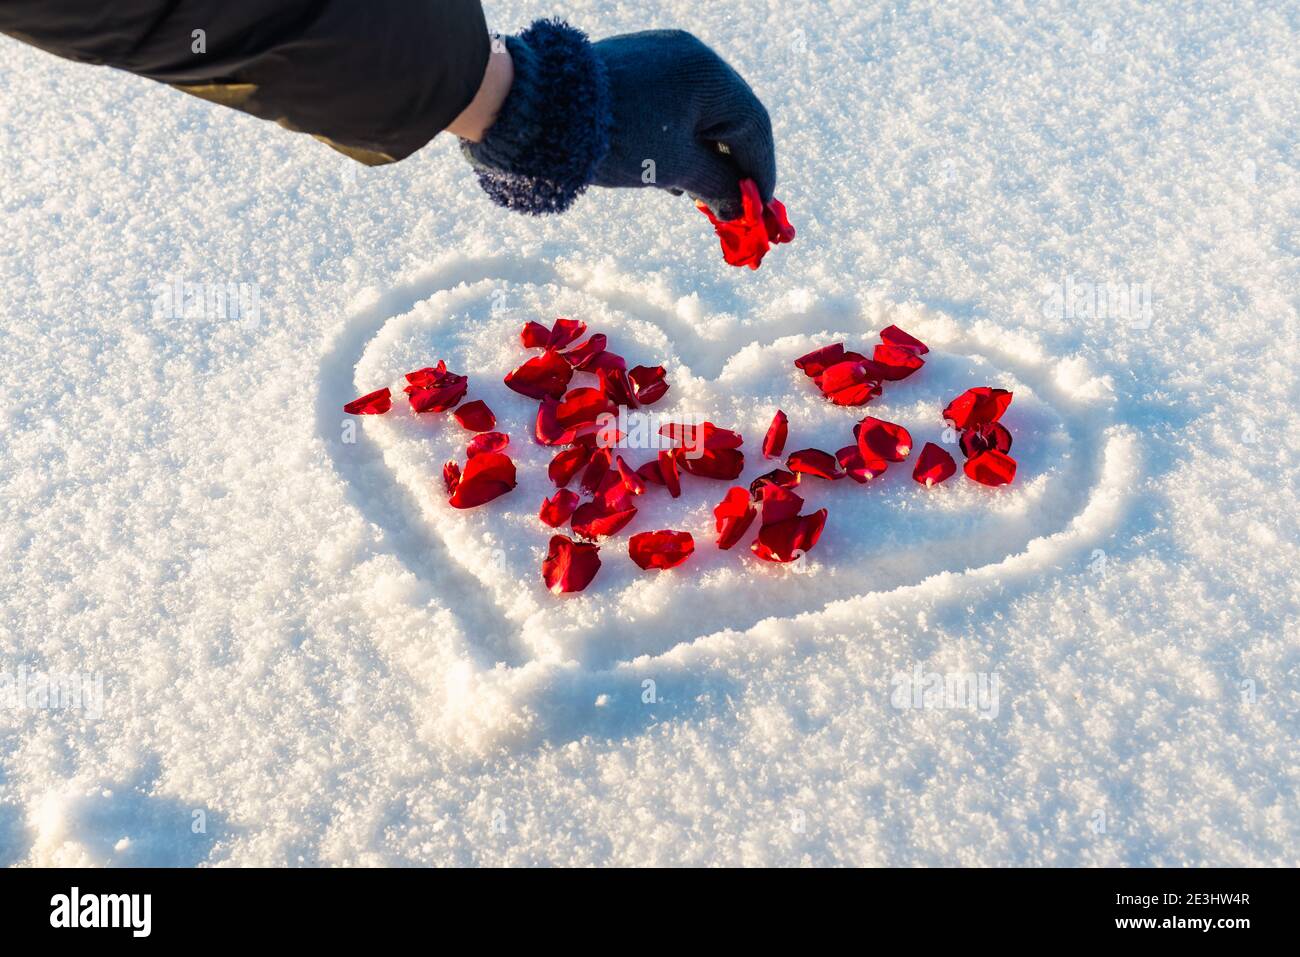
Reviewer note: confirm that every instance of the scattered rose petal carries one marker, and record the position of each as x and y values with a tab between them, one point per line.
814	462
724	464
484	478
991	468
650	384
858	468
896	362
534	335
774	441
668	471
558	509
979	406
451	477
662	549
733	516
819	360
567	464
596	470
487	442
786	540
475	416
894	336
580	356
569	566
376	403
581	407
781	477
746	240
696	438
596	520
849	383
541	376
565	331
631	480
981	438
933	465
650	473
616	385
605	360
878	439
435	389
779	504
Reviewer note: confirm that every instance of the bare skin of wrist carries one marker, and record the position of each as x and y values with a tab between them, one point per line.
478	117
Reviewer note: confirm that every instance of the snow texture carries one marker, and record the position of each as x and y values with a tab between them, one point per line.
306	657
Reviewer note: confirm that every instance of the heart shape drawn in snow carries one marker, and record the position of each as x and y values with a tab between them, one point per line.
886	535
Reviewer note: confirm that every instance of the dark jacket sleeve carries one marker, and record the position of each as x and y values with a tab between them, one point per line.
376	79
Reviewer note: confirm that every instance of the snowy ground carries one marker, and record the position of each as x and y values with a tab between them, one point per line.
298	668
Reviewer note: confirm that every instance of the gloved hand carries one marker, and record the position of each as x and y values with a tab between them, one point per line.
643	109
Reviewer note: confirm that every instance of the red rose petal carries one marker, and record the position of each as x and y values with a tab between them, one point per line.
933	465
451	477
569	566
779	504
733	516
596	470
662	549
581	407
650	384
558	509
580	356
616	385
631	480
981	438
595	520
701	437
979	406
668	470
786	540
567	464
605	360
746	240
896	362
484	478
435	389
475	416
724	464
858	468
376	403
774	441
650	473
991	468
878	439
849	383
814	462
541	376
565	331
779	477
894	336
777	222
487	442
534	335
819	360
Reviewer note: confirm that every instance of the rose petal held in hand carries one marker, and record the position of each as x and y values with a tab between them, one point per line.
733	516
558	509
662	549
979	406
487	442
435	389
541	376
878	439
475	416
814	462
485	477
569	566
933	465
774	441
981	438
746	240
991	468
376	403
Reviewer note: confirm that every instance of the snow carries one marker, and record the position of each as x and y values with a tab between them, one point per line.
307	658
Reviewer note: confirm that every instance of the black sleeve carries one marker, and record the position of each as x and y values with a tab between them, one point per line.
376	79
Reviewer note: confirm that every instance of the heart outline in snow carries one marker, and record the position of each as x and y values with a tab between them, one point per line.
510	639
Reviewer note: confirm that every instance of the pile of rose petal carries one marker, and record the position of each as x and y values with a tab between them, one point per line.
745	241
580	422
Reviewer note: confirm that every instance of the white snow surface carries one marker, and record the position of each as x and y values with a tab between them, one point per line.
308	658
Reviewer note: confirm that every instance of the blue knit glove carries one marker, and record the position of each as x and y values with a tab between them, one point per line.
657	108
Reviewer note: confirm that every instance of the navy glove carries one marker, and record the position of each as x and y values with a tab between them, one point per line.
643	109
